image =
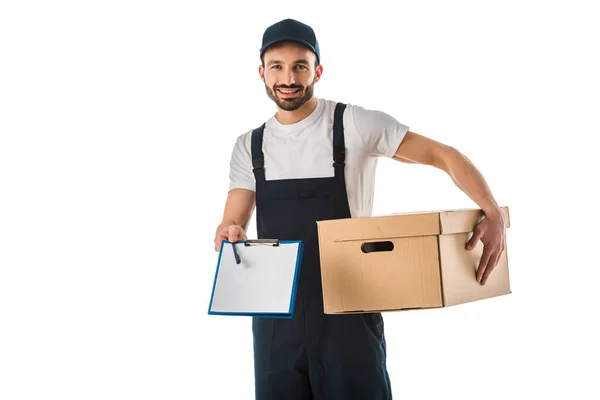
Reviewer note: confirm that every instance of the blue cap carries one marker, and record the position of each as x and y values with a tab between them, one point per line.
290	30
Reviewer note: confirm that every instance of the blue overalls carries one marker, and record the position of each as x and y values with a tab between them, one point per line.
313	355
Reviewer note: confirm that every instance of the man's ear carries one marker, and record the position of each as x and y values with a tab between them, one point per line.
261	72
318	72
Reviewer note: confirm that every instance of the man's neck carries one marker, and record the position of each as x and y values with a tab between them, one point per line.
291	117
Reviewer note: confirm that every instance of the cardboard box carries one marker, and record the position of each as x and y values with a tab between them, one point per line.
405	261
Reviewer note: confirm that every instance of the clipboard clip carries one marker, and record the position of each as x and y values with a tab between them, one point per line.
273	242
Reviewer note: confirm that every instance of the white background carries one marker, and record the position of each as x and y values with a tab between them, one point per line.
117	121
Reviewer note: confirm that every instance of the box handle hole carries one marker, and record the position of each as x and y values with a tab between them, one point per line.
377	246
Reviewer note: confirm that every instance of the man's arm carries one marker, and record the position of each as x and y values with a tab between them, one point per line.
239	207
416	148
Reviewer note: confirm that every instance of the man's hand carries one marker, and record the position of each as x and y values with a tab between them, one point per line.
492	233
233	233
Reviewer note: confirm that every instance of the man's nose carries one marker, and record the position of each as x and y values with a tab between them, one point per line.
289	78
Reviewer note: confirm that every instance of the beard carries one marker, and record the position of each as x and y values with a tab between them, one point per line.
294	103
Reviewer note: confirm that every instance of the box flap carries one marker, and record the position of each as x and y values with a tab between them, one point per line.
459	270
464	220
383	227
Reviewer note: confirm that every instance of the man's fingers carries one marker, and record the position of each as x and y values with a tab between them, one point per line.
218	242
490	267
232	233
483	262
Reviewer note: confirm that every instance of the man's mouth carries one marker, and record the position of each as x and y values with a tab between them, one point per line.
284	92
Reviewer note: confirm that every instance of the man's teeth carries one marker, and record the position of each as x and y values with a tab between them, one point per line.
288	90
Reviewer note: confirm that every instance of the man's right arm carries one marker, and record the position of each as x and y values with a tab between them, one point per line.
239	207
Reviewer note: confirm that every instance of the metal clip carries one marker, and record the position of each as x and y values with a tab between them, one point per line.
273	242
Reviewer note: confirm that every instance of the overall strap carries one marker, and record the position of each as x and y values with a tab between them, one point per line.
339	158
258	159
339	147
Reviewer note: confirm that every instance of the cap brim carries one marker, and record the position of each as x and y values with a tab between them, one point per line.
288	39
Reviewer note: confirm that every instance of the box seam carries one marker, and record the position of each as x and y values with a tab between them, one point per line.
439	256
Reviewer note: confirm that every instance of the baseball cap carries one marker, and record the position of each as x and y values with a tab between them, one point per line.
290	30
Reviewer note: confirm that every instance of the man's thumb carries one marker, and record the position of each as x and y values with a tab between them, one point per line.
474	239
233	234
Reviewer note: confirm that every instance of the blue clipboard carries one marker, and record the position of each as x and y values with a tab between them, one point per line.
257	278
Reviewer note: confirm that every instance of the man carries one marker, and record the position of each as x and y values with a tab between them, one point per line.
313	160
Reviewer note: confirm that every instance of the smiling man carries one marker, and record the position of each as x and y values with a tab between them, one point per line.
292	96
315	159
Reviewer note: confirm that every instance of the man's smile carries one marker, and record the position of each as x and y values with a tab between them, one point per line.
285	93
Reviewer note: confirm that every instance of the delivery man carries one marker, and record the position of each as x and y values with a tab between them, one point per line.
315	159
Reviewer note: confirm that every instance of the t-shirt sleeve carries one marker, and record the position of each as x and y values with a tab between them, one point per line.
240	166
381	133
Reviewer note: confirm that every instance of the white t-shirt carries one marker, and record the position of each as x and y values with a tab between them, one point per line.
305	150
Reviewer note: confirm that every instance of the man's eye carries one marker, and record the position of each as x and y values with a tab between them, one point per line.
302	66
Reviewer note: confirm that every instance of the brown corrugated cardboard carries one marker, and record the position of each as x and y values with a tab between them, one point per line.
404	261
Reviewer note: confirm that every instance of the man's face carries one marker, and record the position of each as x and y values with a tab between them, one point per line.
289	74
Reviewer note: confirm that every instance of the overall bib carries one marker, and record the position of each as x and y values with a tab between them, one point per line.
313	355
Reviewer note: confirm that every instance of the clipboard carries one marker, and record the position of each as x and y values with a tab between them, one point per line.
257	278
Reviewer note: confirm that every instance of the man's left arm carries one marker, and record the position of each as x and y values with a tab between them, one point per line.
419	149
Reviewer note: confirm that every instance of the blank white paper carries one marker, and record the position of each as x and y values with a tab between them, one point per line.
262	283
